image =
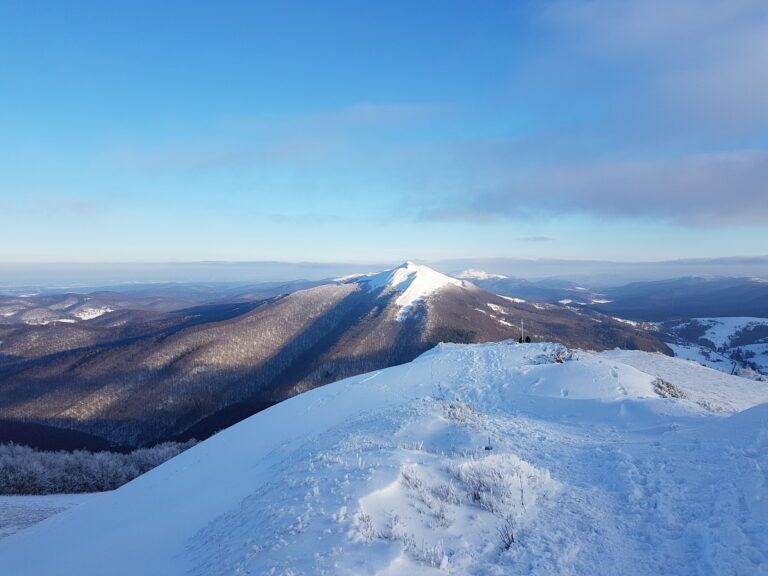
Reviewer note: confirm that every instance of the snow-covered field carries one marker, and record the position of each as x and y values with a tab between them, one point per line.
20	512
481	459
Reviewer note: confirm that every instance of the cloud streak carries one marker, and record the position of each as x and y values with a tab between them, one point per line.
725	189
534	239
51	207
309	139
698	64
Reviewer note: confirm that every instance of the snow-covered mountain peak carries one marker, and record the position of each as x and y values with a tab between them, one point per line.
415	282
475	274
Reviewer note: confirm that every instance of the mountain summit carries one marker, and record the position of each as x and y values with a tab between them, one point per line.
414	281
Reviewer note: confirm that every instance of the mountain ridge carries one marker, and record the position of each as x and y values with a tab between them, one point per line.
139	379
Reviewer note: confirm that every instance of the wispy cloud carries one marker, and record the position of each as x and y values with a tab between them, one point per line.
50	206
696	64
678	103
534	239
301	140
722	189
376	114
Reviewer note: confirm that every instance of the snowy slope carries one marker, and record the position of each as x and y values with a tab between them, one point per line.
716	390
414	282
589	469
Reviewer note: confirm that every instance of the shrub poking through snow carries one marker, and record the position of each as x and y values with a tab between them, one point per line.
507	532
561	355
459	412
364	529
430	554
447	493
552	353
500	482
409	477
666	389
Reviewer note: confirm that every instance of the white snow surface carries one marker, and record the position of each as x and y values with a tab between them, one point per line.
716	390
511	299
625	321
389	473
91	312
474	274
20	512
722	330
414	281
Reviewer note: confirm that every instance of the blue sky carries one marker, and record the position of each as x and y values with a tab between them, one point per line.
380	131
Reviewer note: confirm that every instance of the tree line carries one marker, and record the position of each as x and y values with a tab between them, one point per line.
25	470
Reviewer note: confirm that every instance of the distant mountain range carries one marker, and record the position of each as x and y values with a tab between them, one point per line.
687	298
138	369
657	301
548	290
59	277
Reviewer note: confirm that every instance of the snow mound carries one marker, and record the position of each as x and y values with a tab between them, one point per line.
472	459
415	282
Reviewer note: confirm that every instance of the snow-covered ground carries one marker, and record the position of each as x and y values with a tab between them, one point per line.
20	512
511	299
594	464
91	312
718	391
624	321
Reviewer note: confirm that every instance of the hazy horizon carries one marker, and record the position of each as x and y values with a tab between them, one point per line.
596	272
